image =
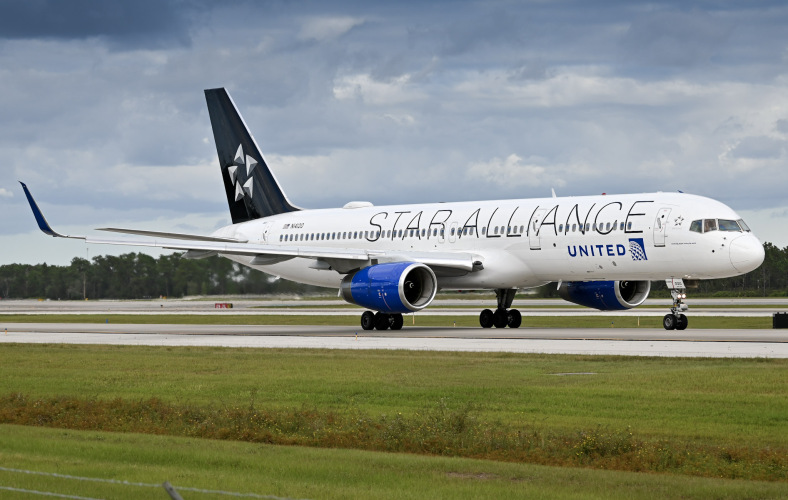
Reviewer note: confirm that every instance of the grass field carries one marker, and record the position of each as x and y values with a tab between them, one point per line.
422	319
298	472
692	417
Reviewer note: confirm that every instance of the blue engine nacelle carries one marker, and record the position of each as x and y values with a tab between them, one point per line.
397	287
606	295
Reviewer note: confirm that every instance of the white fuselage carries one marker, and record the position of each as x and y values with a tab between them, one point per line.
522	243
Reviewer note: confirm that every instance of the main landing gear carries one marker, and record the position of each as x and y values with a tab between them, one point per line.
676	320
381	321
503	316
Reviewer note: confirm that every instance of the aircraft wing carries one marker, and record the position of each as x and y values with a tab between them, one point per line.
203	246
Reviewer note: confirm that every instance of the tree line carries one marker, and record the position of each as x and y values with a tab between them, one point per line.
139	276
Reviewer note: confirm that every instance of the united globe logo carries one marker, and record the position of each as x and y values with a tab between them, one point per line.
637	249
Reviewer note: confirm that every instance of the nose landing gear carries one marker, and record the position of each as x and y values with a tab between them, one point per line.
503	316
676	320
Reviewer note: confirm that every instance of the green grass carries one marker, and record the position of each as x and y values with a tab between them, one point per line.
422	319
690	416
297	472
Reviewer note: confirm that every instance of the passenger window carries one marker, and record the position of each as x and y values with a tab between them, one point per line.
484	231
561	228
728	225
629	226
495	230
622	226
522	228
574	227
452	231
709	225
607	227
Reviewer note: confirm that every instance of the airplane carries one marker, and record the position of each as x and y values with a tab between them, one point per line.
603	251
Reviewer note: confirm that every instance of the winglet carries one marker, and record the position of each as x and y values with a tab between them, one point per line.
42	222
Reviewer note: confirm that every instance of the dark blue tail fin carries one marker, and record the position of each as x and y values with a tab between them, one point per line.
251	188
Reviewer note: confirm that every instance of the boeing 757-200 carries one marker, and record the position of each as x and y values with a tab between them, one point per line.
603	251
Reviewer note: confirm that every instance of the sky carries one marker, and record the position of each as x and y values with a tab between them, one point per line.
103	116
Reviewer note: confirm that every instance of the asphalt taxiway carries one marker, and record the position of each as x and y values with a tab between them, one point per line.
618	341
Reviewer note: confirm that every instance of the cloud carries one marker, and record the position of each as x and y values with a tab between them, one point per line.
758	148
513	171
138	23
371	91
102	111
321	29
675	38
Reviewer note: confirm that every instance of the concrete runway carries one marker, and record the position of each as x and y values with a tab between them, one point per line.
619	341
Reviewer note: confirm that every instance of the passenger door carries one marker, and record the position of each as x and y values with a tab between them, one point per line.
660	225
534	239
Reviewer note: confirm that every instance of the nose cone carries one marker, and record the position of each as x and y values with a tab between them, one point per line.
746	253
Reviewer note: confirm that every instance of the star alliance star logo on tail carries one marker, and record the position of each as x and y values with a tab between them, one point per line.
637	249
245	188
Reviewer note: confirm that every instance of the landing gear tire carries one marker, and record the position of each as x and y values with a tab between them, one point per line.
382	321
681	322
368	320
500	318
396	321
515	319
669	322
486	318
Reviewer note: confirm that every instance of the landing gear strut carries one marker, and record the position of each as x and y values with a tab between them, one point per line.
503	316
676	320
381	321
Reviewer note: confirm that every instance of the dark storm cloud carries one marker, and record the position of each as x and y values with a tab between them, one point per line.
149	23
670	38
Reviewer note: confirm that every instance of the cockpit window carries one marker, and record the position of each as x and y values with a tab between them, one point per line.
729	225
706	225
